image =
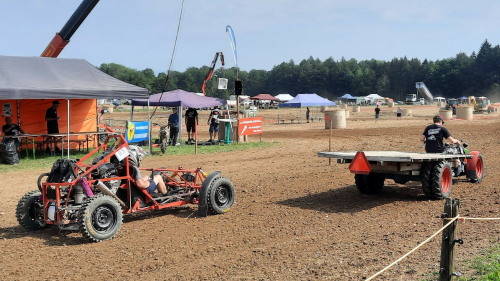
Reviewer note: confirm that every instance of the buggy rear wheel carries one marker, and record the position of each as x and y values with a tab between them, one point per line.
100	218
441	180
369	184
39	181
163	145
29	211
221	196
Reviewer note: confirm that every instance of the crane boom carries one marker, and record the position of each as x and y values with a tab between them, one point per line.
211	70
62	38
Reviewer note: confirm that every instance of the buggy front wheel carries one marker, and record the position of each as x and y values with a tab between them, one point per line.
100	218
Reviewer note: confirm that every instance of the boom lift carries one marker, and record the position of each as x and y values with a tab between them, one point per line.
62	38
211	71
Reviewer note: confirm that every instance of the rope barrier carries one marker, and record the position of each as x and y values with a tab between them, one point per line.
461	219
413	250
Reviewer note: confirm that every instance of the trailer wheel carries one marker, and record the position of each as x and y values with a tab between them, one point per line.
441	180
100	218
221	195
369	184
29	211
426	173
479	169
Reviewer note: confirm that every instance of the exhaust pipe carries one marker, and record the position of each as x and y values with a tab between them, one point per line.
105	189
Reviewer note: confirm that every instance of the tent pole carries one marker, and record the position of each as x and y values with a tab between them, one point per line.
18	113
131	113
149	130
179	109
62	148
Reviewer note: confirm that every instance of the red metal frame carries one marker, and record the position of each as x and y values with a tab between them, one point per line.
174	180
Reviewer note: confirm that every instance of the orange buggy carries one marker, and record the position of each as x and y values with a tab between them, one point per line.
92	197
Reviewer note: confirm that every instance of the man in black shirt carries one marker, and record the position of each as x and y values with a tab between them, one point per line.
191	117
11	129
51	118
377	113
434	134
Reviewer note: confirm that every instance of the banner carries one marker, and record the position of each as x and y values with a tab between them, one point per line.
250	126
232	41
136	131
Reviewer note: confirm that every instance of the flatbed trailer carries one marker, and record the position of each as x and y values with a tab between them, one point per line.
433	170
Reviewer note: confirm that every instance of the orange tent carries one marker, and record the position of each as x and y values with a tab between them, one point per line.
28	85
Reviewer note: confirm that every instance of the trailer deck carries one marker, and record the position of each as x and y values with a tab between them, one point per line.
393	156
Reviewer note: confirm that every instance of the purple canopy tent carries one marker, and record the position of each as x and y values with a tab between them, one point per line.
178	98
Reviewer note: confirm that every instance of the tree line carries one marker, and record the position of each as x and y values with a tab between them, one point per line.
462	75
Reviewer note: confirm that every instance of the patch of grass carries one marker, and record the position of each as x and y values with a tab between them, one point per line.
46	162
39	162
486	266
208	149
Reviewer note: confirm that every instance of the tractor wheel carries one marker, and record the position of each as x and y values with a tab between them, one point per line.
441	180
100	218
426	174
479	169
369	184
163	146
221	196
29	212
39	181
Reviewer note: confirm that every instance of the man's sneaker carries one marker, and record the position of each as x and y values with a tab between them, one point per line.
47	150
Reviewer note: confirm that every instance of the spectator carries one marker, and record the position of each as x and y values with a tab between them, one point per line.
377	113
307	114
191	117
11	129
398	113
213	121
173	124
52	123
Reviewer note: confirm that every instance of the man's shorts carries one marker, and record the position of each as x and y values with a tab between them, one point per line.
377	116
398	114
214	127
191	127
152	187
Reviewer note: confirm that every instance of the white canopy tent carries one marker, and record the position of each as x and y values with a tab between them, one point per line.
284	97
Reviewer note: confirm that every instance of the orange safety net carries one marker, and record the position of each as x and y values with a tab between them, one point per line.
83	117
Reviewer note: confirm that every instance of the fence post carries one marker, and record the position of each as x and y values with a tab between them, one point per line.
451	208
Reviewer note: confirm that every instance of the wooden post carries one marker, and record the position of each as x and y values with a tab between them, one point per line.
448	243
330	143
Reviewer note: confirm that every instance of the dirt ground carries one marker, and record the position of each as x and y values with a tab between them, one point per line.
295	217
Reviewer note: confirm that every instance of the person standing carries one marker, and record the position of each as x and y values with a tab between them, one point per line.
191	117
213	121
173	124
377	113
52	122
307	114
398	113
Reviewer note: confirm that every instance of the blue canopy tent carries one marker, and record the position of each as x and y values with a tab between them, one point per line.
307	100
178	98
348	97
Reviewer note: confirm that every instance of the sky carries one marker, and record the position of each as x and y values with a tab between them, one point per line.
140	34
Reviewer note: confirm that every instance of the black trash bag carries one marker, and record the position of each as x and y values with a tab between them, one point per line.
9	153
